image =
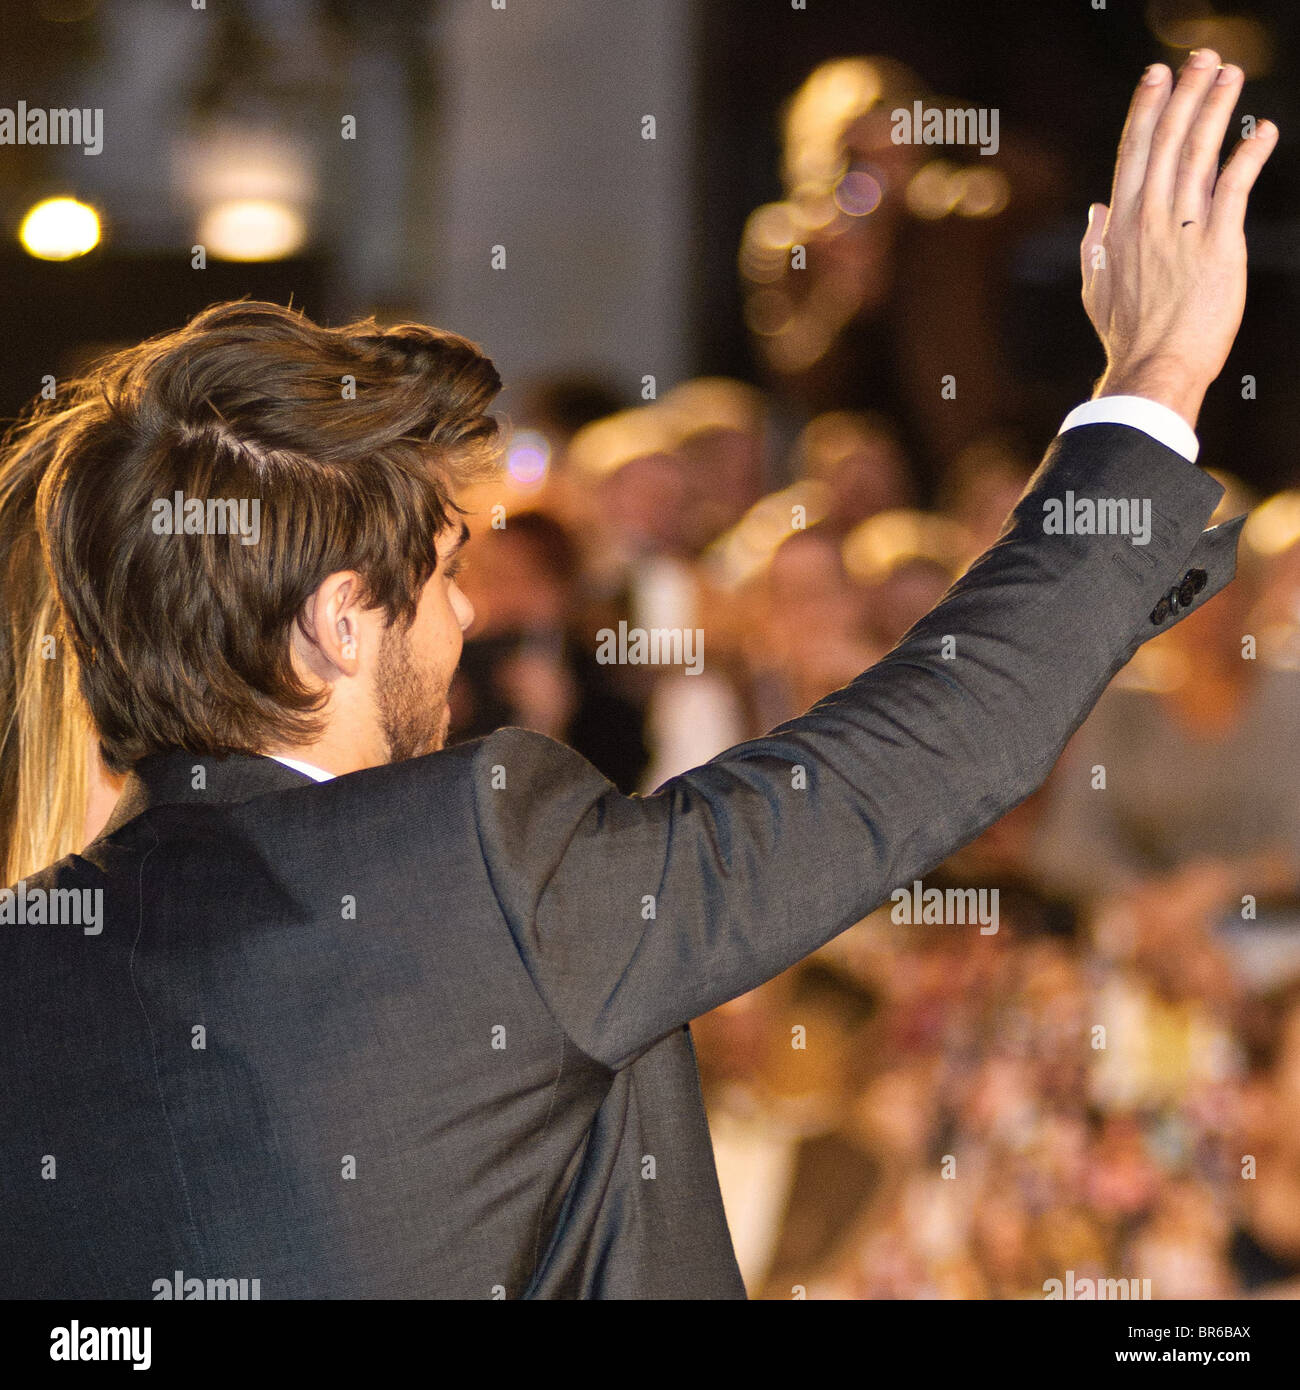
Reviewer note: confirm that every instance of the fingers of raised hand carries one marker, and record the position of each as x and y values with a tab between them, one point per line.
1232	190
1198	162
1166	158
1149	101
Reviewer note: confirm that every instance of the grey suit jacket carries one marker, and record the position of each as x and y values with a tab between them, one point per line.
421	1031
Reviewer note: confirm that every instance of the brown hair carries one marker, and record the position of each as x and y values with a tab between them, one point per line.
352	440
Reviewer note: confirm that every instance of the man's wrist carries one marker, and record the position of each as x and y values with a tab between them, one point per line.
1167	383
1164	425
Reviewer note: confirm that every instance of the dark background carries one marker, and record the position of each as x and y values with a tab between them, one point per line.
1059	72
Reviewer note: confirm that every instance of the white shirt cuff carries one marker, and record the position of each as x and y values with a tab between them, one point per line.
1161	423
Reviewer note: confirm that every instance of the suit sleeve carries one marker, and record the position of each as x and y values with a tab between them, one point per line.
634	915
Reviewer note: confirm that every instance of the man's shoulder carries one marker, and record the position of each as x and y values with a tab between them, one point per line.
511	760
399	818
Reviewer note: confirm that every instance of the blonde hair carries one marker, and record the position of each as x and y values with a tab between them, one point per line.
52	747
45	728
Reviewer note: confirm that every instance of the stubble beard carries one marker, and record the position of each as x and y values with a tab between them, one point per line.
412	701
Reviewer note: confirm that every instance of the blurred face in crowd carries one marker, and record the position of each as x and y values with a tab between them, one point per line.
905	596
726	466
647	500
511	587
864	480
857	252
808	589
868	142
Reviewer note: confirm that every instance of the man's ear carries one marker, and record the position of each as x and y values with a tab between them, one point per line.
330	628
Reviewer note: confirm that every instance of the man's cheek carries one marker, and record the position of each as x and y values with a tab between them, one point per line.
455	646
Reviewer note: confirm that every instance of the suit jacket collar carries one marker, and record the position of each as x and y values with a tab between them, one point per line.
170	778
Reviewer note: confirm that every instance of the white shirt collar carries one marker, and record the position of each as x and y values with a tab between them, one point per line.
315	773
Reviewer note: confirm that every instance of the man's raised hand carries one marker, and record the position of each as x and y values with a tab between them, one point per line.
1164	266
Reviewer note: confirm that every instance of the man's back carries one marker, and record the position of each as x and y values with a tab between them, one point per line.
304	1050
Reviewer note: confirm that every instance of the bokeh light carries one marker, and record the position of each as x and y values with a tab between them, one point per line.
252	229
60	229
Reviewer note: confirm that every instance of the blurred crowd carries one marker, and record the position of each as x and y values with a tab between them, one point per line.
1108	1086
